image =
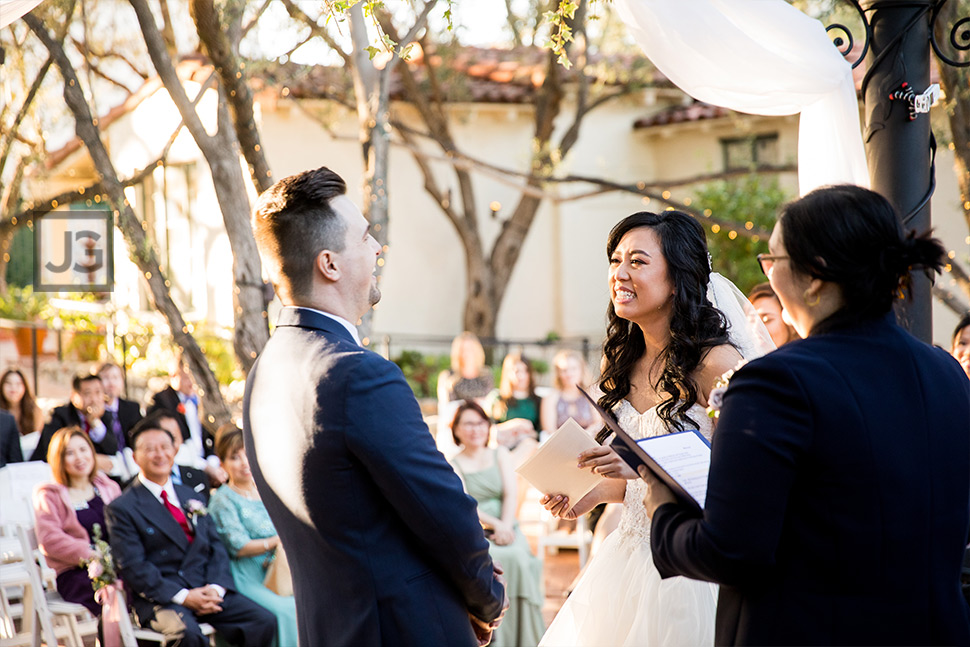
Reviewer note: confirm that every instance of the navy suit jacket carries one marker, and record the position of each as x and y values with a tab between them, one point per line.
839	496
168	400
9	440
385	547
67	415
153	556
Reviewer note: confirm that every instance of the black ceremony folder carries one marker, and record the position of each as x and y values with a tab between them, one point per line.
679	475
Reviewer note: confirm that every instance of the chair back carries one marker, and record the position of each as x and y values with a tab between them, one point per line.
17	482
35	601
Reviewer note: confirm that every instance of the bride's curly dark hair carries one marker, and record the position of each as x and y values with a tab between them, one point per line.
695	325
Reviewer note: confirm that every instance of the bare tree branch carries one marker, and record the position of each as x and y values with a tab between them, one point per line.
135	234
240	98
255	19
298	14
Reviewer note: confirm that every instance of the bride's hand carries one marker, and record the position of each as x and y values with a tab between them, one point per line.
558	505
607	463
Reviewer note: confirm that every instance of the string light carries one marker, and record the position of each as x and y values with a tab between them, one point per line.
715	228
749	225
666	195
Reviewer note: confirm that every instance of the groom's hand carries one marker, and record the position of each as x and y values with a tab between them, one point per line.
482	629
607	463
657	492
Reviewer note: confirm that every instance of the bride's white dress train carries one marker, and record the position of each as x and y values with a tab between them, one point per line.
621	601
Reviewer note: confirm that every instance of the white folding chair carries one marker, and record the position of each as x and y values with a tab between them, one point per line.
47	616
17	482
581	538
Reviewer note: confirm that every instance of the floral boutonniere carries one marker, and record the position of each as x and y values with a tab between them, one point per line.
181	408
716	399
195	509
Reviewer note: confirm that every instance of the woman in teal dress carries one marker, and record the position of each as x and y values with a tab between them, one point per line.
489	478
248	533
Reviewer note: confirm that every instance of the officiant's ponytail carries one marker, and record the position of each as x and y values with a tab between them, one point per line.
852	237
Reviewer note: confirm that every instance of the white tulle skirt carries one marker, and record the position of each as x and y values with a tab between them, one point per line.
621	601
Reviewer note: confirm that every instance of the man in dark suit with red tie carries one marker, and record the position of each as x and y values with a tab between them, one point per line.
171	558
181	400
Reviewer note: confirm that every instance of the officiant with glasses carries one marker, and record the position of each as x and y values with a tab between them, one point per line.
838	500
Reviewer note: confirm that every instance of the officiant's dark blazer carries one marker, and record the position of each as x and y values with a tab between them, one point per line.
838	501
385	547
156	561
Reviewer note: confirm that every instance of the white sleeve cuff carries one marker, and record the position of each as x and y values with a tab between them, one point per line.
179	598
219	589
97	432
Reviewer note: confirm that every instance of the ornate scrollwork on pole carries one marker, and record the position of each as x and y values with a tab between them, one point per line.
844	40
959	38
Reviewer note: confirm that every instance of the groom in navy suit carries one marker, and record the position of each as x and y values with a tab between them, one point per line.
171	558
386	547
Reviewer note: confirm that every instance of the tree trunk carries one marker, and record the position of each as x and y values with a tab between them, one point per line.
135	235
222	155
222	51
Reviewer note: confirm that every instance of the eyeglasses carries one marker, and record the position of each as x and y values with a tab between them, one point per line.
767	262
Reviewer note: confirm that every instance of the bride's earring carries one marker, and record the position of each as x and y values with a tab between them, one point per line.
811	304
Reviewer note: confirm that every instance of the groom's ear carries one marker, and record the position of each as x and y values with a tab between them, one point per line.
327	264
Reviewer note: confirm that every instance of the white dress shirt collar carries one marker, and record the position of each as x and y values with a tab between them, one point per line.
352	329
157	490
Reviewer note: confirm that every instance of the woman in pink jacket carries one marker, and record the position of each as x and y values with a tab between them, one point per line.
67	511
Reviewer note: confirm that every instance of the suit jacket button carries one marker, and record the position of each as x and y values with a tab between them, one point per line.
180	574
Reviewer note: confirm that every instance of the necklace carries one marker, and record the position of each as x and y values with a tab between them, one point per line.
250	493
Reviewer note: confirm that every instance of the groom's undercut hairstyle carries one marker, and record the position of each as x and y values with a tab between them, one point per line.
293	222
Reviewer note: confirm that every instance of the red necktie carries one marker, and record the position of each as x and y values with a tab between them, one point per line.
179	516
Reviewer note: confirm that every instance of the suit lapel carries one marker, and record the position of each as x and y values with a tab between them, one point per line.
158	515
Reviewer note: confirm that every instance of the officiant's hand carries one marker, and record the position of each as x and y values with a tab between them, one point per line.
657	492
606	463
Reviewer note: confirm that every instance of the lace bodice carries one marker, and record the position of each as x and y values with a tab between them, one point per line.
634	524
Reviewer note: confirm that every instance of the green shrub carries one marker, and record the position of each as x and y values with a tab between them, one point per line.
421	372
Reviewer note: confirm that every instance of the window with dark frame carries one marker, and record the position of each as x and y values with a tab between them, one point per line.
748	153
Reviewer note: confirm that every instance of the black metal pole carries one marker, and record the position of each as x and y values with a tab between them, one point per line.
898	147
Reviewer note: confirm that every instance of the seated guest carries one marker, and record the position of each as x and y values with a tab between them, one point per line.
960	348
489	478
16	398
516	410
169	554
9	440
768	307
84	410
120	415
248	533
181	400
68	510
181	474
468	378
566	401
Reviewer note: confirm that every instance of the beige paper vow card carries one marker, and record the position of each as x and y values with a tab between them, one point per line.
552	469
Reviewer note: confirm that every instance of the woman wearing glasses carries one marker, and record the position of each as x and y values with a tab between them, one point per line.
838	500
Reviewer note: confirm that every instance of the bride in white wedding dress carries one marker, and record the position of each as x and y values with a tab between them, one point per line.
666	345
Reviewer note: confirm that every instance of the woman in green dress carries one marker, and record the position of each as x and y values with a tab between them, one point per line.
248	533
489	478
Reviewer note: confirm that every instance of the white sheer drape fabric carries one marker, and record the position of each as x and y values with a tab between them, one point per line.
761	57
10	10
745	329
